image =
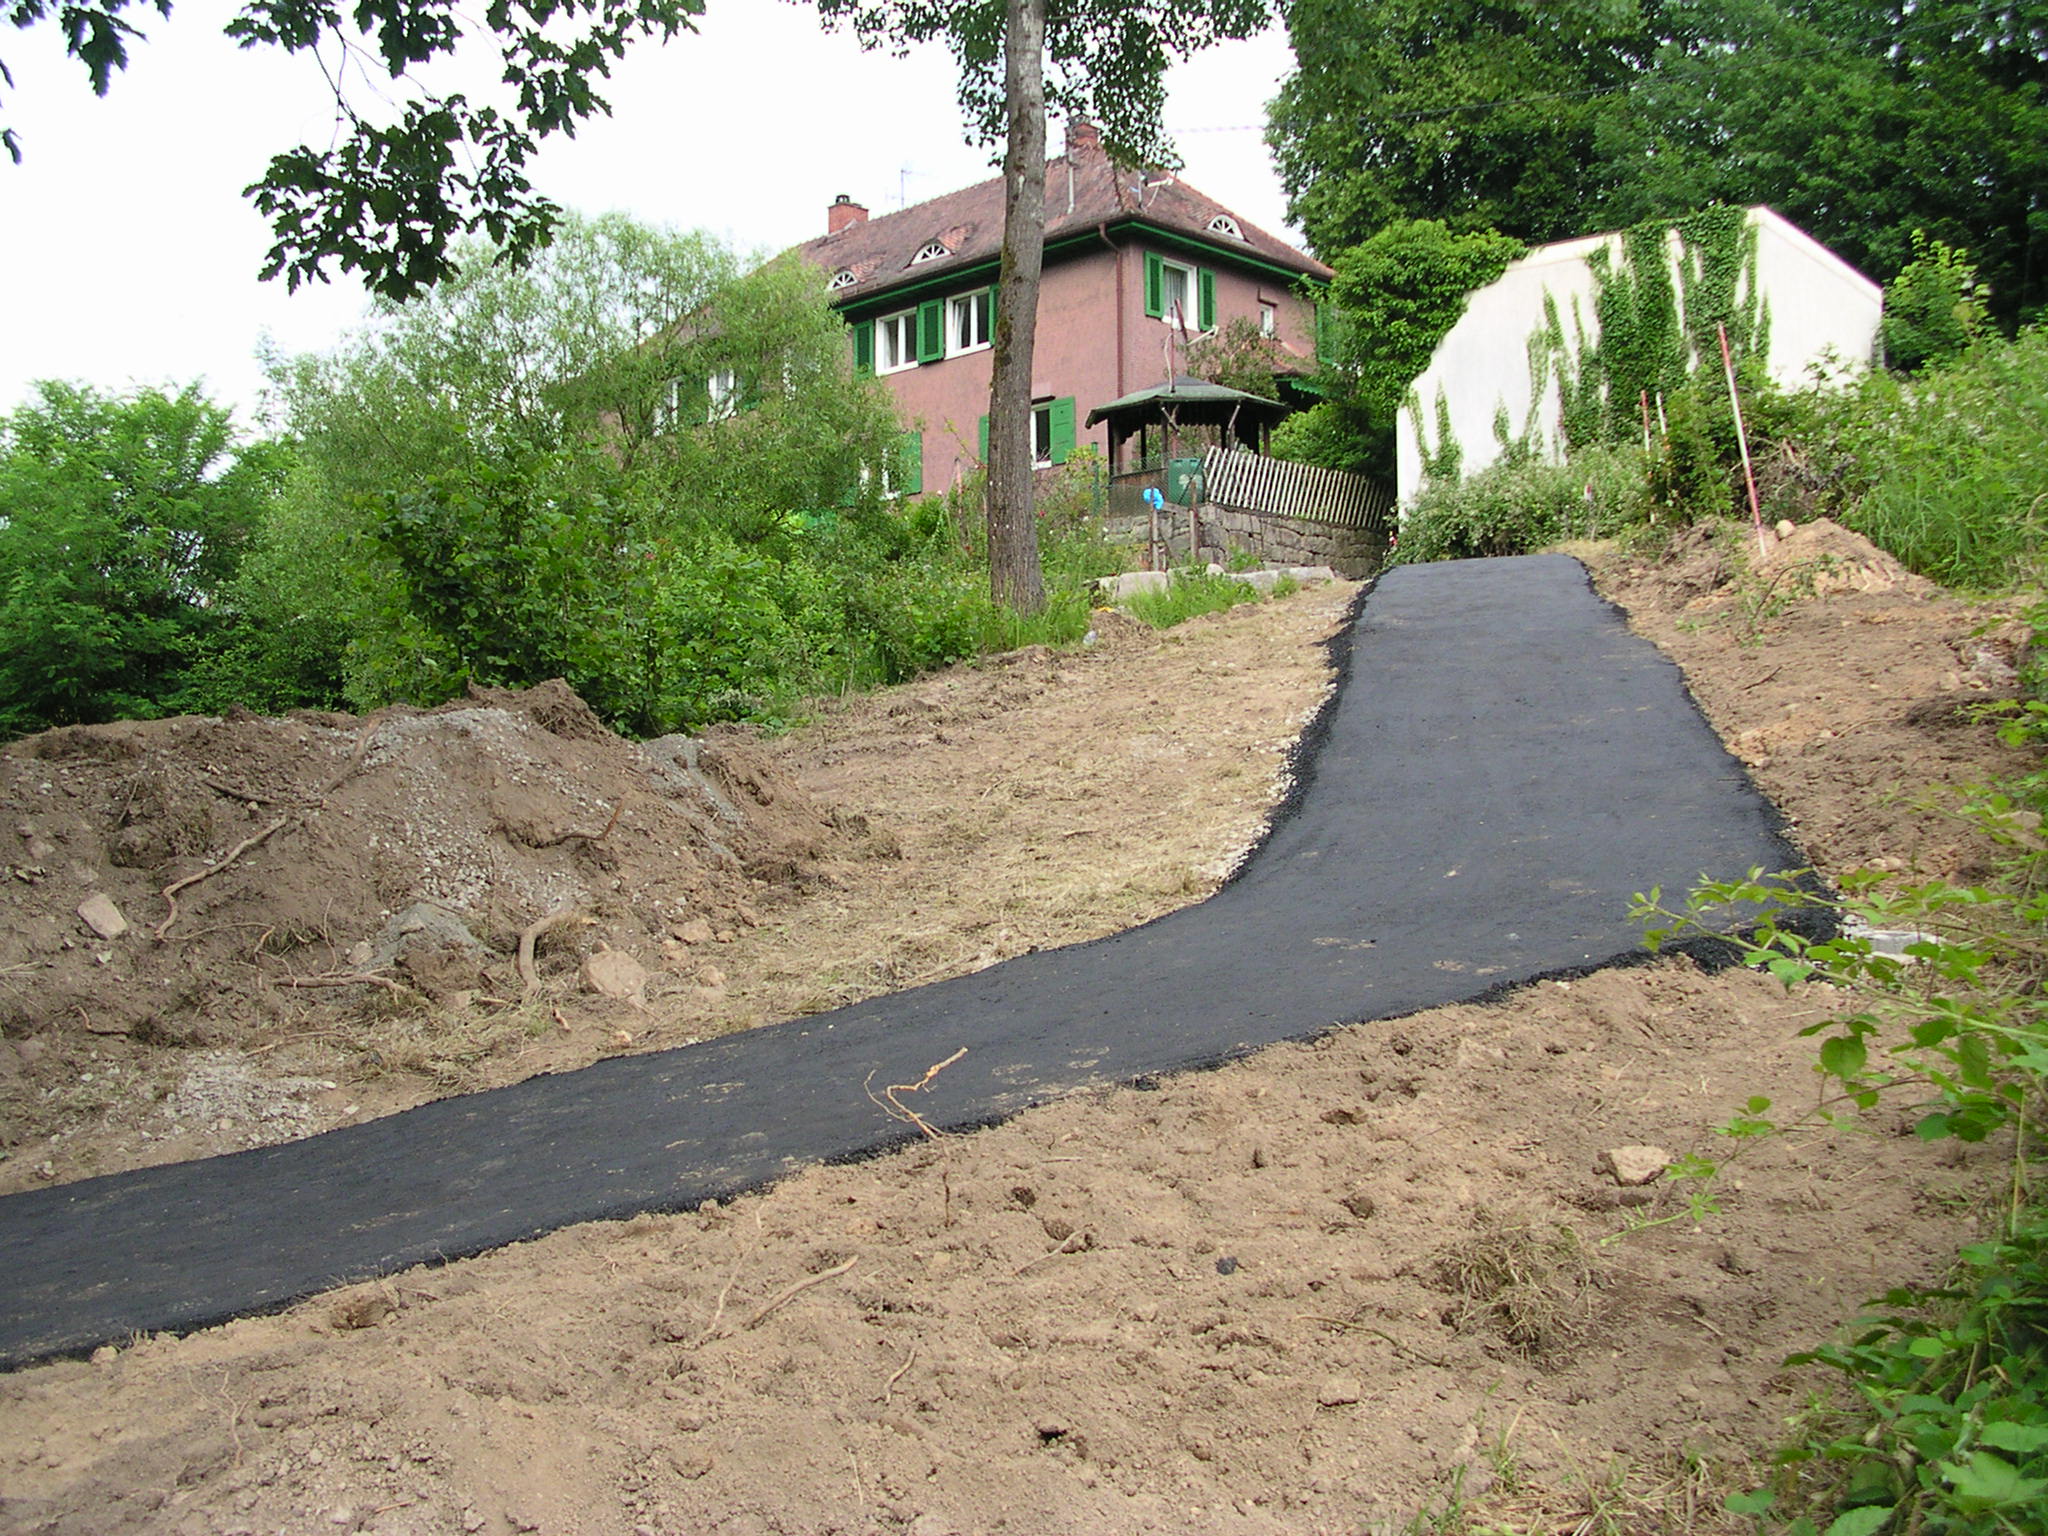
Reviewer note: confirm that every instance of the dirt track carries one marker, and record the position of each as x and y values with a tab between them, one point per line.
1258	1299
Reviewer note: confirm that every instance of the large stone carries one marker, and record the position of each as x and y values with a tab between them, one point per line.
614	973
99	913
1634	1165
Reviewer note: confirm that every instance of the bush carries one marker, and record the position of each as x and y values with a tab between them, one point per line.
1952	466
1511	509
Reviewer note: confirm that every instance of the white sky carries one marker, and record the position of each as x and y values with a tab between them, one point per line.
128	255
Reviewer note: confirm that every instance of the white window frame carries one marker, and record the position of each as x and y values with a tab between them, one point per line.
1224	224
723	390
900	329
1041	413
960	315
1186	319
843	278
1269	318
931	252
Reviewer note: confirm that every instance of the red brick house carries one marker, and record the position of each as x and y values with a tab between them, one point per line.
1137	264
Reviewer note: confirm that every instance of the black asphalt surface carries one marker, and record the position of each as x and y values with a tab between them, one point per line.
1504	765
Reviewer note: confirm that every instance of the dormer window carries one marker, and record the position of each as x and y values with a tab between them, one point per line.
1224	224
931	252
843	278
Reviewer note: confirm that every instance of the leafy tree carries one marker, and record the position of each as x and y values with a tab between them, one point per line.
389	198
1239	356
540	471
1934	309
1108	64
1481	113
122	522
1392	298
1860	120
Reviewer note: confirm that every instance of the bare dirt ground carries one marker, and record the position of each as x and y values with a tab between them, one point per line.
1317	1290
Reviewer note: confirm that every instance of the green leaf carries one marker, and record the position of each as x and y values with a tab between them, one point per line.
1991	1481
1756	1502
2022	1438
1861	1522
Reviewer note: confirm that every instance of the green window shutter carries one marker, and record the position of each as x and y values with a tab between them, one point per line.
1205	299
864	348
912	451
994	290
1062	423
931	330
1155	284
984	439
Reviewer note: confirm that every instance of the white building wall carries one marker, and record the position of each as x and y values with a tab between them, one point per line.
1821	309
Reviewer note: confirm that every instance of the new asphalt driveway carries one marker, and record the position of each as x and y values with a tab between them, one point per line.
1502	767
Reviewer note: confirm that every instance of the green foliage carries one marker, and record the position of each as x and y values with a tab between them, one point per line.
628	464
1949	471
1108	58
1333	435
1238	356
1397	293
1392	300
1187	595
391	194
1511	508
1859	120
1934	308
1659	310
122	524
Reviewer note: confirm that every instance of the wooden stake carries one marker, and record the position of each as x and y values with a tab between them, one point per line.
1756	511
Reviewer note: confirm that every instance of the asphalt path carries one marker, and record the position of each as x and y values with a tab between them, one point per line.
1503	766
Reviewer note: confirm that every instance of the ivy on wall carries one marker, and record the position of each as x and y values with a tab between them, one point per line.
1654	330
1657	302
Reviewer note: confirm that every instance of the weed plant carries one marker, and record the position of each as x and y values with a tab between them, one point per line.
1189	594
1948	470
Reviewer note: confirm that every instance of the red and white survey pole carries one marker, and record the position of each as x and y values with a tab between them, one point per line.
1756	511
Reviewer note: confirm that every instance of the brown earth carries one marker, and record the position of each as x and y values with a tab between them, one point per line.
1316	1290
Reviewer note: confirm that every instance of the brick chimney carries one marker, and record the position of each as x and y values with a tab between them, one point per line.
1083	138
844	214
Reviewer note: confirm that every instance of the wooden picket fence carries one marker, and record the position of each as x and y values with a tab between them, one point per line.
1250	482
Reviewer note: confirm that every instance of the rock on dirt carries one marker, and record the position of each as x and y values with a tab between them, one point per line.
1634	1165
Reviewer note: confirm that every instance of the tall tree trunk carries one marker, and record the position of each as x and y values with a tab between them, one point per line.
1014	574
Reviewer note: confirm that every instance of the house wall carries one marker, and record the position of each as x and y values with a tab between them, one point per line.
1095	342
1820	308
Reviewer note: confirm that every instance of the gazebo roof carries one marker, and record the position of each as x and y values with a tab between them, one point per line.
1191	400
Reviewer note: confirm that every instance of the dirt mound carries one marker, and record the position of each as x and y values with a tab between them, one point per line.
185	893
1829	558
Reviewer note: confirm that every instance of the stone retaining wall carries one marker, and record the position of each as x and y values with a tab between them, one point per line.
1274	539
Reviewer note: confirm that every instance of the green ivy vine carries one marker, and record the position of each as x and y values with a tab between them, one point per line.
1654	331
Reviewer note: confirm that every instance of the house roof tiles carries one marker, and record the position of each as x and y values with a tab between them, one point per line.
1083	190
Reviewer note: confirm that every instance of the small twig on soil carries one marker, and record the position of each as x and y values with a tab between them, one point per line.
170	892
529	977
718	1312
588	837
347	979
793	1291
1066	1246
896	1108
1760	681
1399	1347
908	1361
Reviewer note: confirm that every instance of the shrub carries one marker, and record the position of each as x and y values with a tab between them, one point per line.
1511	509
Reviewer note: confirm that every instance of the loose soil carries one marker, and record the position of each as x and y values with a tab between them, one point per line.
1317	1290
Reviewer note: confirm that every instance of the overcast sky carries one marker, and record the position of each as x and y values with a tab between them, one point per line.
128	255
